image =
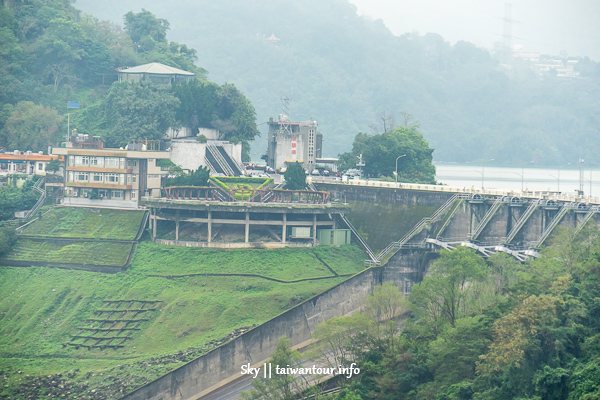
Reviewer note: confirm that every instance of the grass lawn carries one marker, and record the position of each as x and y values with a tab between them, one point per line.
287	264
92	253
96	223
42	308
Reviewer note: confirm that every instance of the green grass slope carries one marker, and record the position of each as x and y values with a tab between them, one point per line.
87	223
90	253
43	308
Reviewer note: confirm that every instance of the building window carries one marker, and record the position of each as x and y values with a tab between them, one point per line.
97	177
117	194
40	167
97	161
151	161
112	178
132	163
132	195
134	178
153	176
82	161
111	162
82	176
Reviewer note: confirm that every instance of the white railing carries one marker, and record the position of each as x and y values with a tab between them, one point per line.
486	218
420	226
455	189
557	218
220	160
513	232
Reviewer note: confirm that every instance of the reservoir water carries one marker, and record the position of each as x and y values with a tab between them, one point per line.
565	180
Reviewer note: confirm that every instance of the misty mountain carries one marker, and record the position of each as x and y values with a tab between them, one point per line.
353	75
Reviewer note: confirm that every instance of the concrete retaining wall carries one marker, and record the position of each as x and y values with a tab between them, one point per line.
217	245
224	363
256	345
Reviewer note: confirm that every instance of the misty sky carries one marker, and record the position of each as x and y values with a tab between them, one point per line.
549	26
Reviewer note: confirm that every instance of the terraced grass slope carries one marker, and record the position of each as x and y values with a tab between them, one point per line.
89	253
87	223
74	237
41	309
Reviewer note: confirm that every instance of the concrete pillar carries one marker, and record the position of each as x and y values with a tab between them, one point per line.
209	226
154	226
284	228
177	226
247	233
314	229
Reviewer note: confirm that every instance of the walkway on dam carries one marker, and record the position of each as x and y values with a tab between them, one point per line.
548	195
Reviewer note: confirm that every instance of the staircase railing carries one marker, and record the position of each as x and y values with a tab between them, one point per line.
528	212
268	196
364	244
212	169
555	221
235	163
486	219
421	225
448	218
220	160
593	210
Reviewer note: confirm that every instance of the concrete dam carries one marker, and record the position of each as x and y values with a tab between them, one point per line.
405	228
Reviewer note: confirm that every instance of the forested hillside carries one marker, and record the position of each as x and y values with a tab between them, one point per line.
347	71
51	53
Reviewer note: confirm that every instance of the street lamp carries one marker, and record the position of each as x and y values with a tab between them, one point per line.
397	158
521	175
558	178
483	171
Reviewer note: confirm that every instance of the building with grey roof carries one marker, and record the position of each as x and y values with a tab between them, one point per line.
155	72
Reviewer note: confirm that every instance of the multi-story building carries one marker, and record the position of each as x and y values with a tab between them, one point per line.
289	142
24	163
108	177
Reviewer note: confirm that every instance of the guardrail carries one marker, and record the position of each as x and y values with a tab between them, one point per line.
455	189
420	226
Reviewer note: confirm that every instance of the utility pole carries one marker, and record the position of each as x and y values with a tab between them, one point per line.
581	177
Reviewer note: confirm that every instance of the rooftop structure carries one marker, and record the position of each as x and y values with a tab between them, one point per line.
155	72
24	163
98	176
289	142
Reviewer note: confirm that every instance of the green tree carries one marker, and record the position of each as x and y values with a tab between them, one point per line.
30	126
295	177
134	111
198	177
53	165
443	294
8	237
145	29
278	386
381	150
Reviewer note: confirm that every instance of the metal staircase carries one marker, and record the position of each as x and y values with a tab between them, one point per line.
372	256
236	167
268	196
593	210
41	201
448	218
420	226
555	221
528	212
213	170
486	218
221	162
